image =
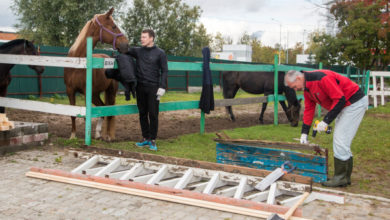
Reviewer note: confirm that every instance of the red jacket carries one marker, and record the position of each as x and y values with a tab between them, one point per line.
329	89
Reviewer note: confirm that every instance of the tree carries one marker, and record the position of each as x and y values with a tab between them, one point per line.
363	37
292	53
57	22
245	39
173	22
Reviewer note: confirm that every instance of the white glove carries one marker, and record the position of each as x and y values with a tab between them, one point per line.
304	139
160	92
322	126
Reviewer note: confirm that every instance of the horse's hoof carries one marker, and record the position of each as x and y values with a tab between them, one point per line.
261	122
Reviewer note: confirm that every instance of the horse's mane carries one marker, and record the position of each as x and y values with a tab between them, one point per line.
12	43
80	38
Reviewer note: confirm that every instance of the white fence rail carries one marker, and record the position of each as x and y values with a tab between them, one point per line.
70	62
69	110
381	91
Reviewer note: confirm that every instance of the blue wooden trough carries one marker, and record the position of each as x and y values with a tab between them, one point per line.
271	155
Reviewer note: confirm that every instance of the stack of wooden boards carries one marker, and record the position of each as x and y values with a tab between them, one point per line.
5	124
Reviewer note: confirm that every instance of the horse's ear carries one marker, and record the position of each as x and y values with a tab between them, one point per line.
109	13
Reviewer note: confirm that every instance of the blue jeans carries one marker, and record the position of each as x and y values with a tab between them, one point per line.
347	124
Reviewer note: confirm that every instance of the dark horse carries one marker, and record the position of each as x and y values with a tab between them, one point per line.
18	46
261	83
101	28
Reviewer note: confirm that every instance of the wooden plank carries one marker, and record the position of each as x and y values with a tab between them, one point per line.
158	175
143	178
71	62
170	182
286	68
109	168
191	163
272	194
102	111
156	192
269	161
242	188
228	192
77	111
258	197
188	66
253	152
187	178
55	61
86	165
136	170
271	144
317	177
212	184
241	101
92	171
241	67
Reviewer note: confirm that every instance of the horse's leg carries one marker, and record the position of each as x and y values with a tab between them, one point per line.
97	101
262	112
284	106
109	97
72	100
228	93
3	93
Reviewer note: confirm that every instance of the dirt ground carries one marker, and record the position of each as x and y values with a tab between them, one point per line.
128	128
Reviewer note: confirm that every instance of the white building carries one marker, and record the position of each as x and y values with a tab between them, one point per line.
305	58
240	52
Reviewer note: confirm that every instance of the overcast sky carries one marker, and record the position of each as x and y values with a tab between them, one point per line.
232	17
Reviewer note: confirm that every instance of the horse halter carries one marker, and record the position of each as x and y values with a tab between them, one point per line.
115	35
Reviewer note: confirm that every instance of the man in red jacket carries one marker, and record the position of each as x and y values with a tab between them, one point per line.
346	103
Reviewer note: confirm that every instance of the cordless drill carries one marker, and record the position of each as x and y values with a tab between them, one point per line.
328	129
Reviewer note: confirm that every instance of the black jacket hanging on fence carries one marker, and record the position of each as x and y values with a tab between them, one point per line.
125	74
207	98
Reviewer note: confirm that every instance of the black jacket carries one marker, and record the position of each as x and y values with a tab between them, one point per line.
152	66
125	74
206	102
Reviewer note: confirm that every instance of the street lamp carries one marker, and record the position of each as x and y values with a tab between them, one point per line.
303	41
280	36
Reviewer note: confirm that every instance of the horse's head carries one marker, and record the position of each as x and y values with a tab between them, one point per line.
29	49
293	114
109	32
294	106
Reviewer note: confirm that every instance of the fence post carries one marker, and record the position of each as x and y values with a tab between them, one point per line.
349	71
319	106
202	122
366	87
88	95
187	82
276	82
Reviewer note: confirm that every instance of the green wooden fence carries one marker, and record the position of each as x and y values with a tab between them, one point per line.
92	112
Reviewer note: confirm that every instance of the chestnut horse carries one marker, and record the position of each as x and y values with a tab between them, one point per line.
101	28
19	47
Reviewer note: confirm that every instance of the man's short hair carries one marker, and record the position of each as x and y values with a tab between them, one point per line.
150	32
291	76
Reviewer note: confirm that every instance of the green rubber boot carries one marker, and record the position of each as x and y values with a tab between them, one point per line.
349	170
340	174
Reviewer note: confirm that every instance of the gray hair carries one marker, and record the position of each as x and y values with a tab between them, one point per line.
291	76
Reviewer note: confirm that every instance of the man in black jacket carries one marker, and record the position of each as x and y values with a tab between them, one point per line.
152	70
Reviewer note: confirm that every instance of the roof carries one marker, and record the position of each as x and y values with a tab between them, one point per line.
6	36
